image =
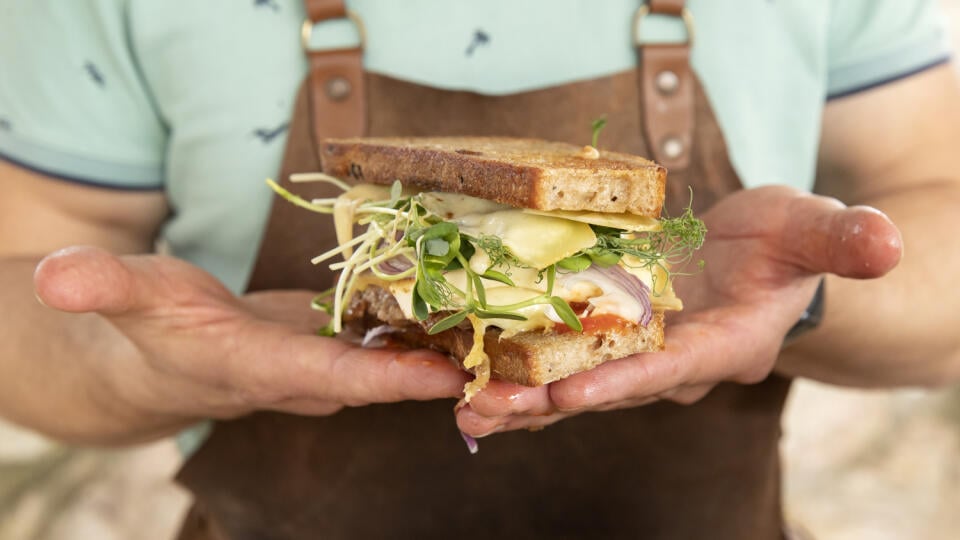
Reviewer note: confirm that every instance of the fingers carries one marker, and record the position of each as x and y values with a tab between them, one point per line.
502	406
692	363
501	398
307	407
191	328
697	356
88	279
471	422
855	242
628	379
491	409
477	425
82	279
646	375
381	376
288	307
812	233
286	366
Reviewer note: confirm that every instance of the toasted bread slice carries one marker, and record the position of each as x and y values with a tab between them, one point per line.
525	173
536	358
529	358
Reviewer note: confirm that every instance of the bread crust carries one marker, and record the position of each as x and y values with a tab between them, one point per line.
525	173
528	358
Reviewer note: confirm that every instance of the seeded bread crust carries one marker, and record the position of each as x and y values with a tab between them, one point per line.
529	359
525	173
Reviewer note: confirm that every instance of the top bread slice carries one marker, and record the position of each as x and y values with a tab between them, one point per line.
525	173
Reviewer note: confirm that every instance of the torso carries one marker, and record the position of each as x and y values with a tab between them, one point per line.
662	471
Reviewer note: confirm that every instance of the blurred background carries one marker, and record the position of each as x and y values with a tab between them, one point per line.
859	465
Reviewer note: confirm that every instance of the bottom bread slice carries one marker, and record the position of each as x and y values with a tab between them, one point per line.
528	358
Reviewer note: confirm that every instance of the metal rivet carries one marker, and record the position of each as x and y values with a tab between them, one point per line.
667	82
672	147
338	88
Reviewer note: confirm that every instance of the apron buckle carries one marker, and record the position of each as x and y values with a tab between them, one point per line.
306	30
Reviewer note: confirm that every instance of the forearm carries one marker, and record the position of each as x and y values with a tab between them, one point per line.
55	369
900	329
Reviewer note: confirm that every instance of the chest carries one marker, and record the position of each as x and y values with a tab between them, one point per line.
224	76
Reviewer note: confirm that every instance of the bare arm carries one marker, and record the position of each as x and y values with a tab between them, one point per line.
131	346
43	379
896	148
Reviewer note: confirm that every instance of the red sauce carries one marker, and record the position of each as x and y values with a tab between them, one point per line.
595	324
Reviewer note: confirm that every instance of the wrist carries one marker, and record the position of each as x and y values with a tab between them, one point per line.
129	402
810	318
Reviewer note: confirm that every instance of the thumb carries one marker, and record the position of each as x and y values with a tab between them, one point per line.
89	279
823	236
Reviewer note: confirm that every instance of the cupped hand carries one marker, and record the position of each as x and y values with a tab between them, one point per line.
194	350
765	251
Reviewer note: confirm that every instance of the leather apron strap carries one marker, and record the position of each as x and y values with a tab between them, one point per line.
337	95
663	471
331	103
680	129
666	89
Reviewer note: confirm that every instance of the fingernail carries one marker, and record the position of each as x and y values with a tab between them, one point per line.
497	429
572	410
472	445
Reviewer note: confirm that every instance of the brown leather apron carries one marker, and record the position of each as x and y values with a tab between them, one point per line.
663	471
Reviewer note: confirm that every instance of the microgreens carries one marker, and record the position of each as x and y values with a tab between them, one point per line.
596	127
404	239
670	246
322	302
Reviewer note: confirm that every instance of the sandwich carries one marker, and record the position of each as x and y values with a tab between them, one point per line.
523	260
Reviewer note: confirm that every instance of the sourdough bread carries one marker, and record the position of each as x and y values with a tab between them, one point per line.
529	358
529	173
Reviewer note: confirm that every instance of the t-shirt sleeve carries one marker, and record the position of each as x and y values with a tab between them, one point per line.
73	103
873	42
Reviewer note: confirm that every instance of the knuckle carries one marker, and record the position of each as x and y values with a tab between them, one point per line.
755	367
685	396
259	393
755	372
365	376
752	376
476	425
650	377
483	405
261	382
569	397
339	381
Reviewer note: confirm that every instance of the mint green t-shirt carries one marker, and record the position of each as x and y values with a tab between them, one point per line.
193	97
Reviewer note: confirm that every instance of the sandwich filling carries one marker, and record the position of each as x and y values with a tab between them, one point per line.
450	259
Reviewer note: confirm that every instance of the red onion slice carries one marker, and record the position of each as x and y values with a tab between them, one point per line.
634	287
618	278
395	265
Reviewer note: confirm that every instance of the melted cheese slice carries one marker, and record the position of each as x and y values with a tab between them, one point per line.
477	360
345	209
627	222
662	296
538	241
454	205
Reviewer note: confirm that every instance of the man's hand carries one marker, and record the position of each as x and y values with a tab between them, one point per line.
765	251
197	351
